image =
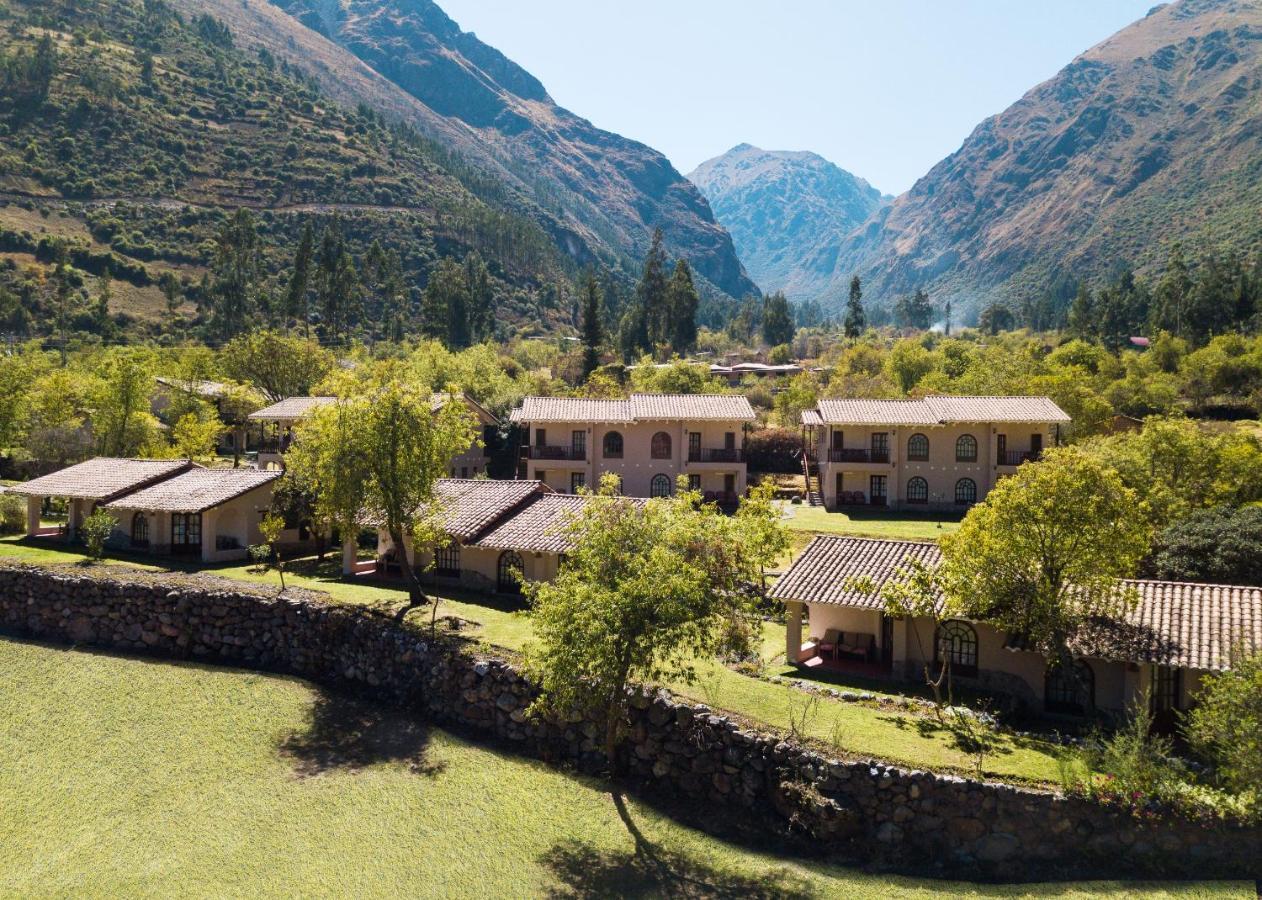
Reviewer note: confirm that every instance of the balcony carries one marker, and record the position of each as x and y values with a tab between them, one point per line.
716	455
845	455
1016	457
578	454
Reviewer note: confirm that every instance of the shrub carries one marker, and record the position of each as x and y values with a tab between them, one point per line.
1225	726
1221	546
96	530
12	514
774	450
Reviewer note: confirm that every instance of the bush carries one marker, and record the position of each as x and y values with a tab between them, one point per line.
1225	726
1220	546
774	450
12	514
96	530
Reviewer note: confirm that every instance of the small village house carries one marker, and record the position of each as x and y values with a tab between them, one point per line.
935	453
208	515
88	485
1176	634
648	441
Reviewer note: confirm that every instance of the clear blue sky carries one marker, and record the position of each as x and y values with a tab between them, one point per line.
884	88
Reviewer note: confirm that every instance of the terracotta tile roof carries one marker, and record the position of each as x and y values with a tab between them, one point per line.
690	407
1174	623
291	408
196	490
540	526
823	572
939	411
812	417
468	506
102	478
438	400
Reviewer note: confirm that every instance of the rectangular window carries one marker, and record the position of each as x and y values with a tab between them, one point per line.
729	440
541	437
876	489
838	440
577	481
578	444
694	445
447	561
880	447
694	482
464	471
1165	689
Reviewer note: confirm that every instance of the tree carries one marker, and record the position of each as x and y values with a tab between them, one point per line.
480	310
169	284
777	320
1043	555
445	307
1225	724
267	554
342	297
380	454
1222	545
996	318
236	272
682	300
297	305
653	294
95	531
760	526
194	438
278	365
648	589
913	311
593	333
908	363
122	422
855	322
916	593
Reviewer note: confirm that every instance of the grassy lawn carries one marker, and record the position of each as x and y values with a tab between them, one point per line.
860	523
852	728
135	778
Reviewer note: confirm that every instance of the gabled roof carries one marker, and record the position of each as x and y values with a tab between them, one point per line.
291	409
638	407
938	411
828	565
540	526
102	478
439	399
195	491
468	506
1174	623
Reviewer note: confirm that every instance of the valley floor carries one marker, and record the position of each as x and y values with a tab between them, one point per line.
127	777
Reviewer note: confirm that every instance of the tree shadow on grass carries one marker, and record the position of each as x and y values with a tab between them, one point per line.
582	870
348	734
957	738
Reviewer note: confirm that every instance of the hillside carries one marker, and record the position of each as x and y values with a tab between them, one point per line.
780	207
1153	136
132	132
602	194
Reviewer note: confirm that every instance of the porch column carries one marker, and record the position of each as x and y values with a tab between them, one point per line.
792	632
349	555
34	505
209	529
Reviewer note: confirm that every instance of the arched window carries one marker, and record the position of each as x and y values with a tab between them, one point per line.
918	448
659	486
1070	691
965	492
956	642
509	573
917	490
140	530
966	448
660	448
613	445
447	560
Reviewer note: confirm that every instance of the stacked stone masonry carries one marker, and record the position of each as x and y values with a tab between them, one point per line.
844	810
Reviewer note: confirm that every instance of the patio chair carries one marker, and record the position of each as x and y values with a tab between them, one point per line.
828	643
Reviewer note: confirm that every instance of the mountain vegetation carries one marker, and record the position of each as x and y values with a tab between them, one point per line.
780	207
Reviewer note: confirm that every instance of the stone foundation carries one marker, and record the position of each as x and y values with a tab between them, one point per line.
845	811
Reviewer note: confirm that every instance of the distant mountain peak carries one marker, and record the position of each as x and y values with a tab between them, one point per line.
779	206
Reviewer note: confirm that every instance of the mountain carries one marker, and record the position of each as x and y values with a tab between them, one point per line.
601	194
781	207
1151	137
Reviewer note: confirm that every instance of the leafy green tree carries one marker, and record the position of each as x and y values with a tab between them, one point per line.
445	307
1172	294
481	304
683	302
777	320
169	284
297	303
278	365
913	311
856	321
122	423
1044	553
95	531
1225	724
908	363
194	438
267	554
236	272
593	332
996	318
653	294
1222	545
647	591
760	528
381	454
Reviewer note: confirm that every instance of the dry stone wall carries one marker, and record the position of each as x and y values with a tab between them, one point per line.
843	810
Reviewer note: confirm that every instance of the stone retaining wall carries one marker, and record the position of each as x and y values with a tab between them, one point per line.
845	810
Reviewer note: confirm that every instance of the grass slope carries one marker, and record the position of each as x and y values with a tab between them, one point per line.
132	778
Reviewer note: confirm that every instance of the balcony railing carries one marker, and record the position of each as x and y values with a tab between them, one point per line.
275	443
1016	457
840	454
541	452
716	455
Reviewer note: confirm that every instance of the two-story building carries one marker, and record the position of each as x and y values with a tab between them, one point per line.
277	425
648	441
929	453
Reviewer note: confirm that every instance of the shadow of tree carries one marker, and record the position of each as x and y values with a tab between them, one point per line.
344	733
648	870
958	739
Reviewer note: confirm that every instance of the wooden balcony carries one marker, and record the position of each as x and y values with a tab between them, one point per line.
1017	457
856	455
716	455
536	451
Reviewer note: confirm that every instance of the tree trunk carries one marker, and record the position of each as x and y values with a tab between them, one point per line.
416	594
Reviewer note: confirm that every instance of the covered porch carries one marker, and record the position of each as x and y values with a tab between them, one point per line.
848	640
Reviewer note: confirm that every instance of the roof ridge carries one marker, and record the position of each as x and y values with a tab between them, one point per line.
1195	584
